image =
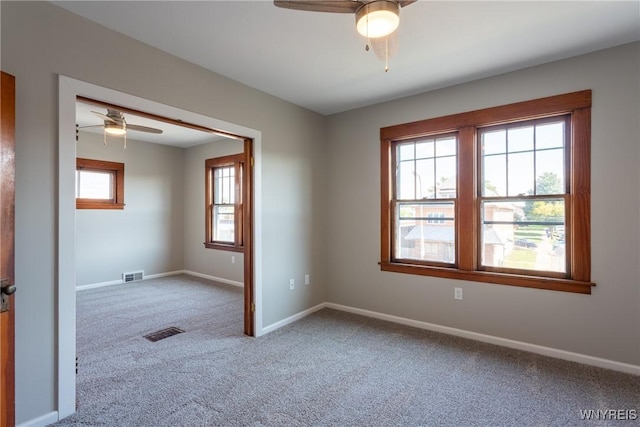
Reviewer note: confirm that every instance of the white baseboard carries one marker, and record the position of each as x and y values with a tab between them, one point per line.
291	319
41	421
504	342
98	285
119	282
214	278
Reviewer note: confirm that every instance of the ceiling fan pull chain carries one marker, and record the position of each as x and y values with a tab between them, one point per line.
366	46
386	54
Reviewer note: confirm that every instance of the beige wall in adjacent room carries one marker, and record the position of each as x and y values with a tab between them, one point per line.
197	258
148	233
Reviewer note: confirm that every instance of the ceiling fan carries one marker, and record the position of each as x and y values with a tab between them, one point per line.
116	124
377	20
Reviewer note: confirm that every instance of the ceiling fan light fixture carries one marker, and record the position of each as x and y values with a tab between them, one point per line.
115	128
378	18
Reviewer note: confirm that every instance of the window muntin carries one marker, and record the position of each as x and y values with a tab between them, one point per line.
99	184
526	160
483	185
223	229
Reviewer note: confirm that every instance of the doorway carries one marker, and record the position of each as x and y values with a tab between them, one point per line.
69	90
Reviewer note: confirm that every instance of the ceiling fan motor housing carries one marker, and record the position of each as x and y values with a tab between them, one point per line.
378	18
117	124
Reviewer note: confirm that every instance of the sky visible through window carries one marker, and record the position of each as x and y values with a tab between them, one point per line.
94	185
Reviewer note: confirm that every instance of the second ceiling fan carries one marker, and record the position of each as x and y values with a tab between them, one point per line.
116	124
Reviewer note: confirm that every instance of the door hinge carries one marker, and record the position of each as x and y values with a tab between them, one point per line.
253	307
252	161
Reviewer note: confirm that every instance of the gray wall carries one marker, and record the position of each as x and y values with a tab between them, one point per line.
197	258
605	324
40	41
148	233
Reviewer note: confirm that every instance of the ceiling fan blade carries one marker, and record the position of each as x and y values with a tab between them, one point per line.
405	3
104	117
333	6
91	126
147	129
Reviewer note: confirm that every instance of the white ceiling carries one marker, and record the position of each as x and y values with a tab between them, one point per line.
318	61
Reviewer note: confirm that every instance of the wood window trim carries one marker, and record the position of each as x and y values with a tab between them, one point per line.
238	161
117	169
578	105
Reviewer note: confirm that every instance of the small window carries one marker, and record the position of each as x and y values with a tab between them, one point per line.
99	184
223	198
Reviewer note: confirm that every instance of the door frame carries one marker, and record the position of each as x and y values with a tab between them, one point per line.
69	89
7	324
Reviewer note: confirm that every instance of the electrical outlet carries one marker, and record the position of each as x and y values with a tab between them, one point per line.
233	259
292	284
306	279
457	293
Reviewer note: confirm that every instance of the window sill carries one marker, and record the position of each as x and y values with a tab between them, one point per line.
98	205
223	247
550	283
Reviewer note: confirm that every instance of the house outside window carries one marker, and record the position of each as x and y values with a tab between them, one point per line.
498	195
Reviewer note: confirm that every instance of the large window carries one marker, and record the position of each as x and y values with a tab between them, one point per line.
223	188
99	184
498	195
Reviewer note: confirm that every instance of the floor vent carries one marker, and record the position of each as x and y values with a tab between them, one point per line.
134	276
164	333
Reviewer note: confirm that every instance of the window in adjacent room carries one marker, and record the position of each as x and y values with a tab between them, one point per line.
223	188
499	195
99	184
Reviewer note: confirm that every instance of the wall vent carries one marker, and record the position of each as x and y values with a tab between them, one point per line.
134	276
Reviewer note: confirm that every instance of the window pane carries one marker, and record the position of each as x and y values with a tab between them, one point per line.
426	232
521	174
494	170
223	224
446	177
446	146
94	185
406	151
406	180
424	179
550	135
494	142
525	234
424	149
550	172
520	139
